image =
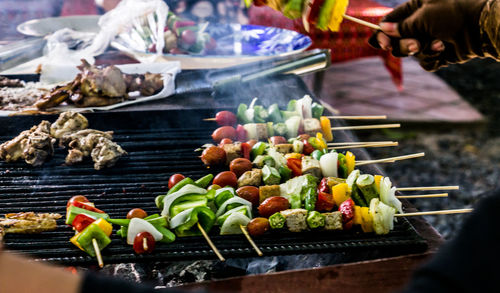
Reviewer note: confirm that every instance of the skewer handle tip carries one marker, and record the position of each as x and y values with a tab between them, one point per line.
255	247
97	253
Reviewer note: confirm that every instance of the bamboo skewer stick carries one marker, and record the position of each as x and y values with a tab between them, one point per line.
358	142
374	117
433	195
368	145
216	251
361	127
209	119
442	212
454	187
390	160
97	253
255	247
362	22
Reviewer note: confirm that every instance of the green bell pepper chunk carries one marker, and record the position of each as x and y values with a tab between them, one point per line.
211	194
317	110
242	115
357	197
168	236
325	14
119	222
93	231
277	221
258	149
295	201
74	211
153	216
342	170
317	154
289	114
314	143
222	197
293	9
274	114
292	105
202	215
204	181
280	129
285	173
260	114
315	220
270	175
187	202
310	200
122	232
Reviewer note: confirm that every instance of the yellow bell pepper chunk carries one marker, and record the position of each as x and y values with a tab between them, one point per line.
75	242
350	161
321	141
378	178
326	128
337	15
105	226
339	193
367	218
358	220
293	156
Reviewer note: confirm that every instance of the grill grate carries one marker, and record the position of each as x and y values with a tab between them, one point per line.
159	144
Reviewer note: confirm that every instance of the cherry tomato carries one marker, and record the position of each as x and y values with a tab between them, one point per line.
273	205
323	186
258	226
137	213
213	156
79	198
174	179
308	148
278	140
144	246
226	178
224	132
225	141
347	210
188	37
241	133
250	193
240	166
225	118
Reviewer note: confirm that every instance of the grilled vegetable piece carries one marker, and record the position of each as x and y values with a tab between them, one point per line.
310	199
270	176
83	240
252	178
295	219
311	126
311	166
277	221
185	222
315	220
366	184
333	221
29	222
268	191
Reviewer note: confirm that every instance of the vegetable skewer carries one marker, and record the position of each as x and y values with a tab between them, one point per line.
255	247
209	241
374	117
440	212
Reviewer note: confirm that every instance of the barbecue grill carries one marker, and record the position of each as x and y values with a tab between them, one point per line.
160	139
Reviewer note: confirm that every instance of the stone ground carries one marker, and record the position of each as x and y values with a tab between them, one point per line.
461	141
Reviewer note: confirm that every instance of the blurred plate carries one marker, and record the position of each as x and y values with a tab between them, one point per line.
236	44
44	26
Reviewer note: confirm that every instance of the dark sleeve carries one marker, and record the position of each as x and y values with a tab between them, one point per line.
490	28
95	283
471	261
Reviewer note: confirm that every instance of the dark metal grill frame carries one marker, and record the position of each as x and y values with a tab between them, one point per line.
160	143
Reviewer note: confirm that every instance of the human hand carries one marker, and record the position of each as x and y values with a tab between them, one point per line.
437	32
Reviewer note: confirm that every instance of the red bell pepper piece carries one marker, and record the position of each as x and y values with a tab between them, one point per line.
308	148
323	186
347	210
245	150
325	202
81	222
87	207
295	165
241	133
312	18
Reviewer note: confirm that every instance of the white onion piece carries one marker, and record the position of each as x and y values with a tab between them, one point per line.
304	107
251	129
235	199
328	164
220	190
180	218
383	216
232	224
137	226
388	195
169	199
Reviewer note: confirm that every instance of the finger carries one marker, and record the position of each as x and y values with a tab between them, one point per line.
437	45
403	11
384	41
390	28
409	46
